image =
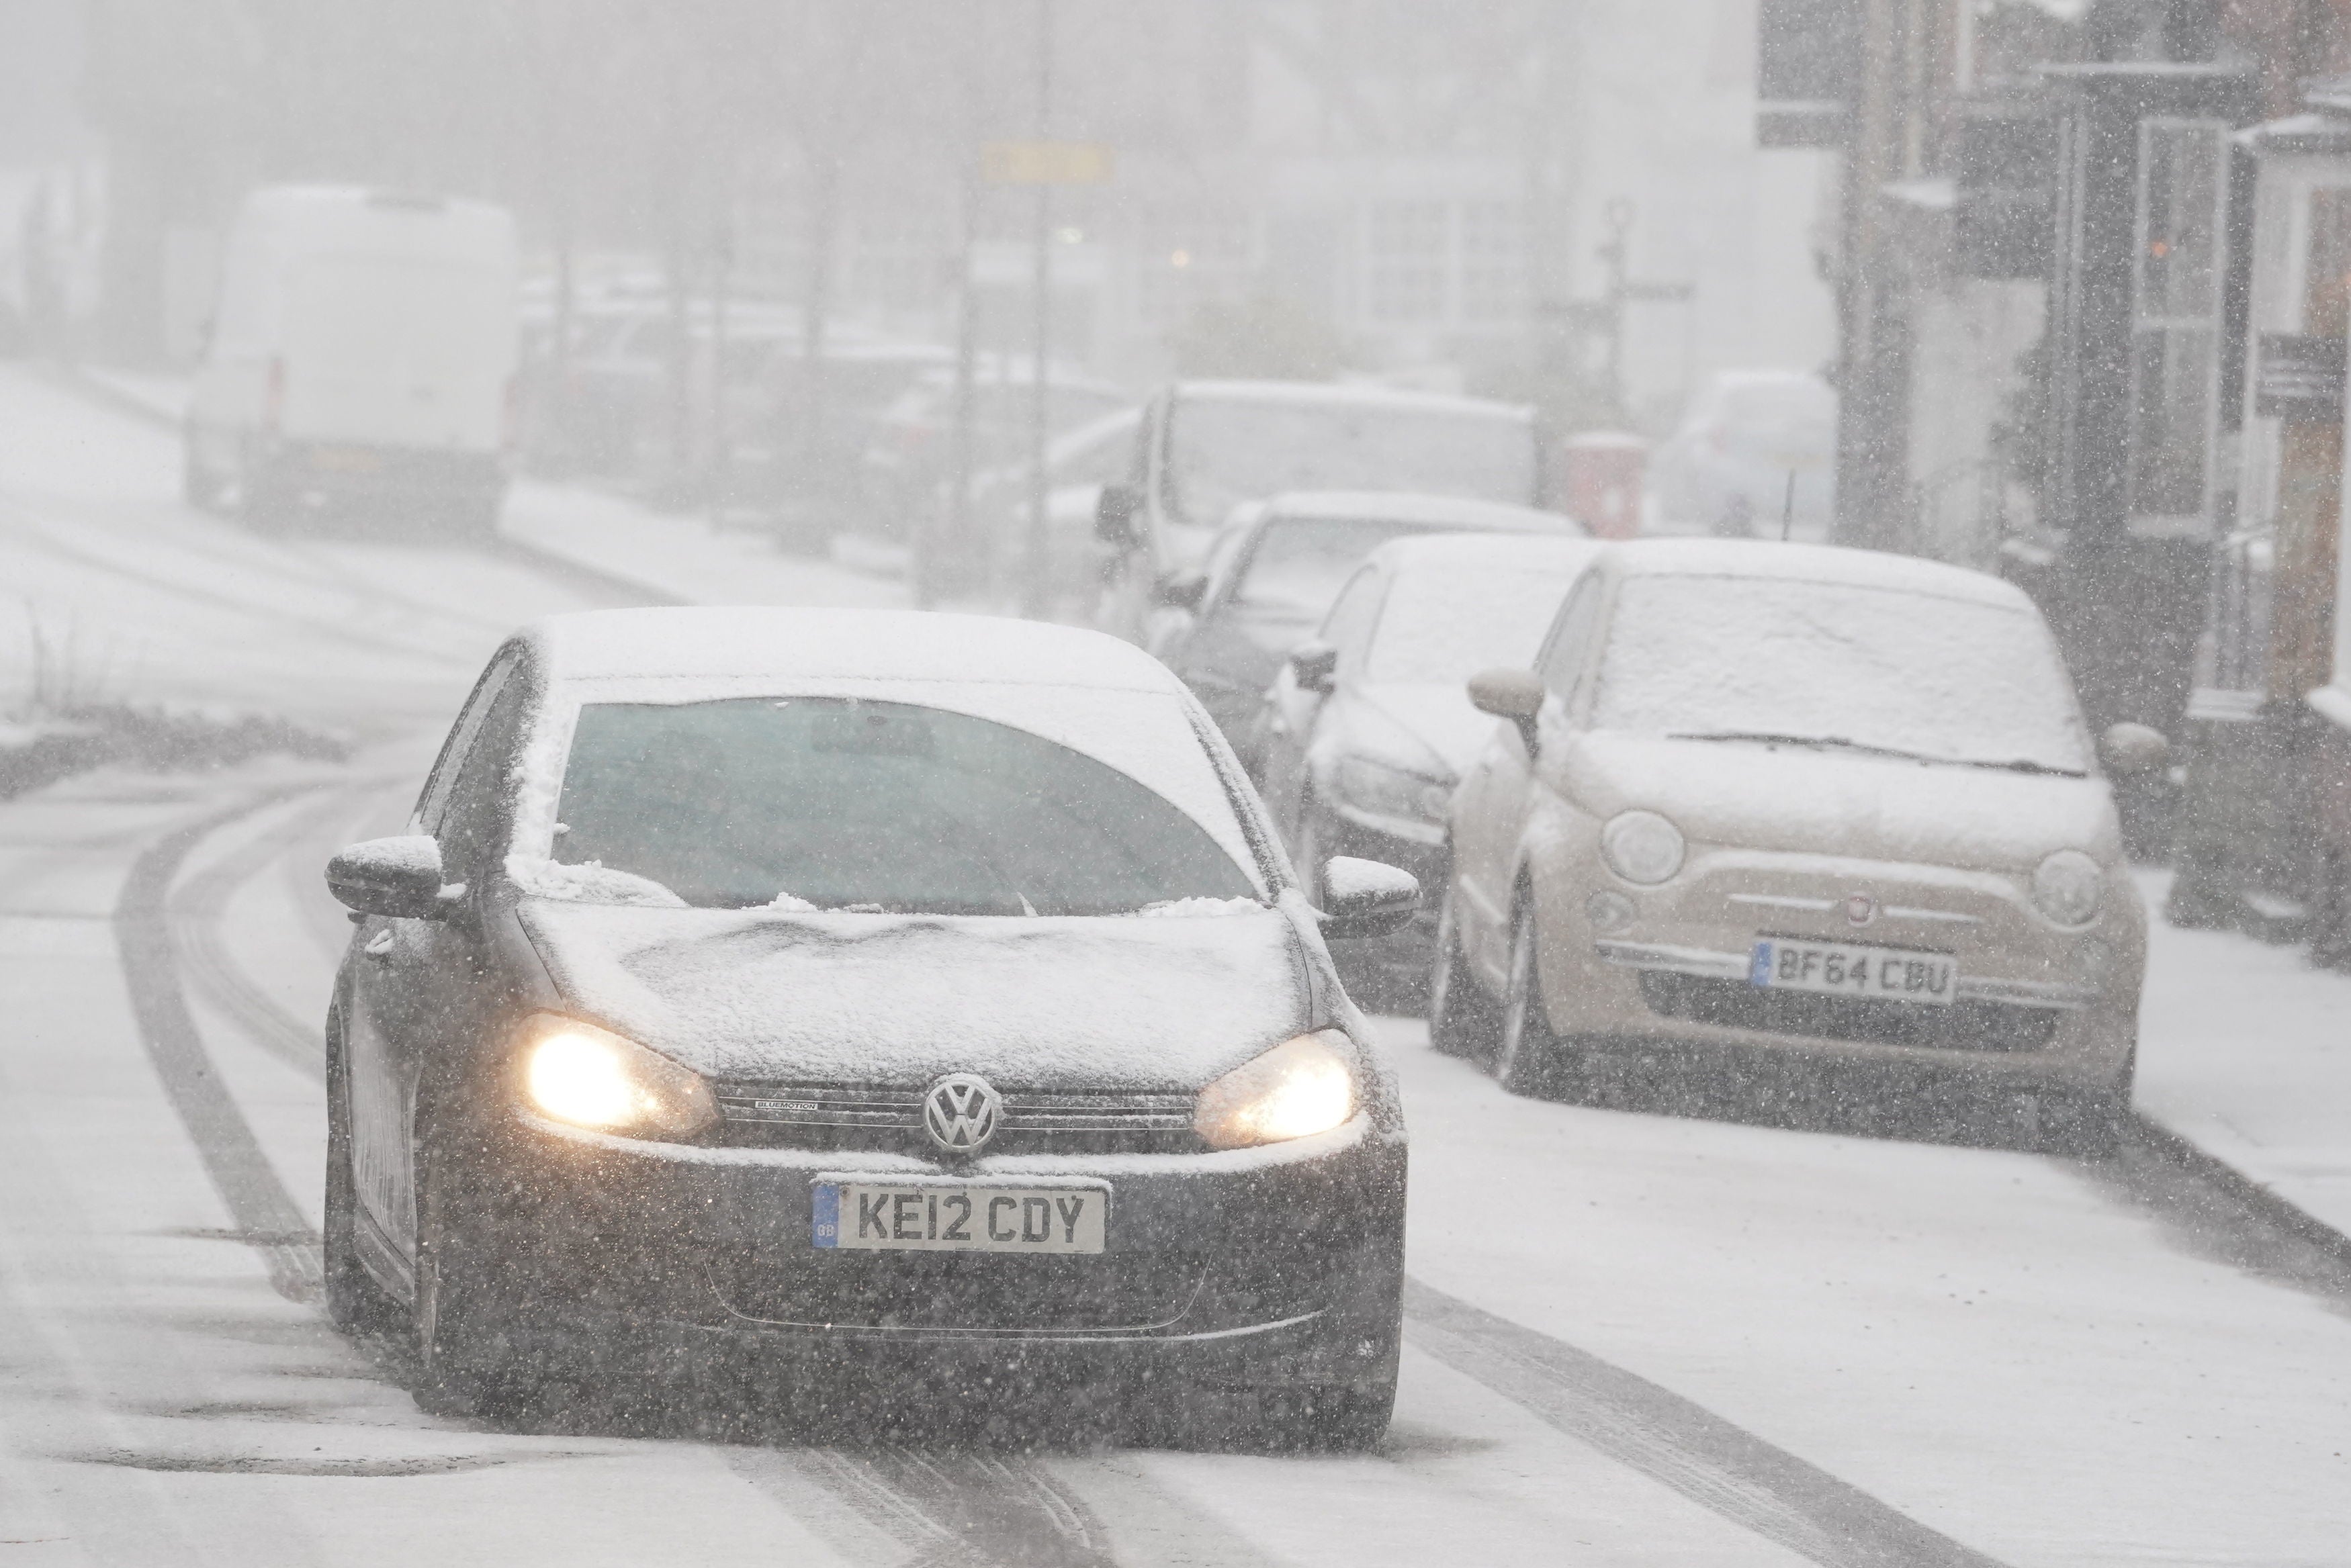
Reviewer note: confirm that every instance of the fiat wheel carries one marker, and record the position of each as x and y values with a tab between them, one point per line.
1527	1057
1461	1021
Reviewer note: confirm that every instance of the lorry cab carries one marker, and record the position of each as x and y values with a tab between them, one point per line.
363	350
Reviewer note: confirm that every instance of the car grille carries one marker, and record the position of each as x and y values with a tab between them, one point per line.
1963	1026
975	1293
1034	1121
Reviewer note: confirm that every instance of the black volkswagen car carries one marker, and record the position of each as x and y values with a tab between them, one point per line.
860	989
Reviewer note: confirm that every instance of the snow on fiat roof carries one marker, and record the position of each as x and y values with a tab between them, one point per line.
1403	506
1812	563
839	644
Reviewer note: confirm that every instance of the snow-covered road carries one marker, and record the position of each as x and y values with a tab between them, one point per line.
1633	1338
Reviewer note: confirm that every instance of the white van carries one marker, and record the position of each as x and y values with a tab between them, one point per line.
364	351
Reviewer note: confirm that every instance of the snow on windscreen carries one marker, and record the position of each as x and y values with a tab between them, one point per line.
1226	453
1301	563
1443	626
868	806
1946	678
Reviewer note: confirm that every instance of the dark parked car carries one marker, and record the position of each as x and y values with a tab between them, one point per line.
873	993
1368	725
1273	572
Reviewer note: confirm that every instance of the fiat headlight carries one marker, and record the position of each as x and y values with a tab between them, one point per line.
2068	886
1386	791
591	1077
1642	847
1300	1088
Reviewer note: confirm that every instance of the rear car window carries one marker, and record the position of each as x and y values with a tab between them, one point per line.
847	804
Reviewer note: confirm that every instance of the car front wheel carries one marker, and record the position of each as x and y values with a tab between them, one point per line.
1529	1059
1461	1021
355	1303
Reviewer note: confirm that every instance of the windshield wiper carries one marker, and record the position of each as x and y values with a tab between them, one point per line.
1847	743
1769	738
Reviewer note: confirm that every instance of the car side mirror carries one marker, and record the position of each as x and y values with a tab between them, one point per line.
1313	665
399	877
1515	694
2132	749
1182	590
1114	513
1366	898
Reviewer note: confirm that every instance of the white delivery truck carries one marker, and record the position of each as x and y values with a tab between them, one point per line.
363	353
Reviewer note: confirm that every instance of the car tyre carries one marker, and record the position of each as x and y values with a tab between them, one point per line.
355	1303
464	1321
1529	1059
1461	1018
200	487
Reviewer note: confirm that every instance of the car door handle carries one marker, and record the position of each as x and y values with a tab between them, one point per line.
379	946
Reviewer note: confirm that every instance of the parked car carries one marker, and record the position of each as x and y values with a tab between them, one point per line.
1792	799
363	350
911	996
1206	446
1755	458
910	455
1271	576
1369	726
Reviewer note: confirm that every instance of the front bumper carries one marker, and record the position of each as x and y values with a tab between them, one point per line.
1284	1262
2032	1004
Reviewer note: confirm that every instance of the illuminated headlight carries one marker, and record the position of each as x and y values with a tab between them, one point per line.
1384	791
592	1078
1642	847
2068	886
1300	1088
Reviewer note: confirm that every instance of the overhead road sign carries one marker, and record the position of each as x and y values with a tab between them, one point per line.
1044	163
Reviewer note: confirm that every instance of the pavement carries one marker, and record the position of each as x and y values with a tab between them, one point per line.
1632	1338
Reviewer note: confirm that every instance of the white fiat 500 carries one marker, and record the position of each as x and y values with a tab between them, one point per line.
1797	799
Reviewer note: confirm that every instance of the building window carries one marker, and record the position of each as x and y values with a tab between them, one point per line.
2176	323
1405	257
1493	261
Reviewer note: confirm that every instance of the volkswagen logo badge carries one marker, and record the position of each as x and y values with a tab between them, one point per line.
961	1112
1860	908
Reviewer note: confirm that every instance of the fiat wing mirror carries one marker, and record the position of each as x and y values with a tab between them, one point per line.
1513	694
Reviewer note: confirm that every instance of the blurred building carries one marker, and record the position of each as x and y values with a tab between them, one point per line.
2092	268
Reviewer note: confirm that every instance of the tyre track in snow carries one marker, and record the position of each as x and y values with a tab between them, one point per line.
264	1212
198	909
1677	1442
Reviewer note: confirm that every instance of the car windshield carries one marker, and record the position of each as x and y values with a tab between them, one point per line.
887	807
1842	665
1445	625
1222	452
1301	563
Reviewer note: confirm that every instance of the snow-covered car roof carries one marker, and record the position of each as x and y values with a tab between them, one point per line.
1403	506
1810	563
836	644
1437	552
1352	393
